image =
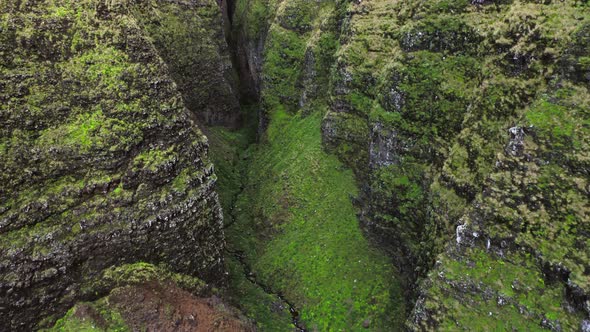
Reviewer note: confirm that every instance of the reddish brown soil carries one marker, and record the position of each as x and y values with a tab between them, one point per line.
157	307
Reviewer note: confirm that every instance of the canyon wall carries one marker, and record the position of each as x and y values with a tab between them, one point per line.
466	122
463	126
101	160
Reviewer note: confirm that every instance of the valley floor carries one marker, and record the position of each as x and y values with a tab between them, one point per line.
291	221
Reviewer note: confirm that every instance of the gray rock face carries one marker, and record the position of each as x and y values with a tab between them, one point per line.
516	144
385	148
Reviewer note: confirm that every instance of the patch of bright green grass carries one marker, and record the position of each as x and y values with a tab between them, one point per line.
298	228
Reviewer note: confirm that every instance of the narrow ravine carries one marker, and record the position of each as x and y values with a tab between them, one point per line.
230	152
297	257
240	168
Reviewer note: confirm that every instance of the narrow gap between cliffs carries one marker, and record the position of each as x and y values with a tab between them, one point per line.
237	174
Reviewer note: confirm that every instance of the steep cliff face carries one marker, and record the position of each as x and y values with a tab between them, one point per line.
189	37
101	163
467	123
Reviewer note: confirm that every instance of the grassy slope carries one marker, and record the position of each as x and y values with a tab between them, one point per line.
229	151
298	228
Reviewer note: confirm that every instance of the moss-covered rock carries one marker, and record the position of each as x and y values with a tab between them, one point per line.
189	37
146	297
100	161
429	100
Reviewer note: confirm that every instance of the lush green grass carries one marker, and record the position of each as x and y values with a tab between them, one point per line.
298	228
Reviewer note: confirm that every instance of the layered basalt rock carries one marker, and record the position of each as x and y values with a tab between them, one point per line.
101	161
189	36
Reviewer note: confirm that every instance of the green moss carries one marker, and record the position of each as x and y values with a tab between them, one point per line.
284	55
84	91
517	280
154	159
181	181
252	16
94	131
110	319
297	15
140	273
440	33
554	121
103	66
83	130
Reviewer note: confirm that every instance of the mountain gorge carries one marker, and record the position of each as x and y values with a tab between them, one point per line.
299	165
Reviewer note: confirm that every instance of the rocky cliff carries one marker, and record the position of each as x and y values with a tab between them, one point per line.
101	160
466	124
457	132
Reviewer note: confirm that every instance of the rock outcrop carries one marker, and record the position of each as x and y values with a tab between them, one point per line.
101	160
146	297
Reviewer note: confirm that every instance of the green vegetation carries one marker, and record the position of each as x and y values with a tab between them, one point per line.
106	314
298	230
267	310
423	97
140	273
446	113
252	16
284	55
99	154
110	319
293	219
